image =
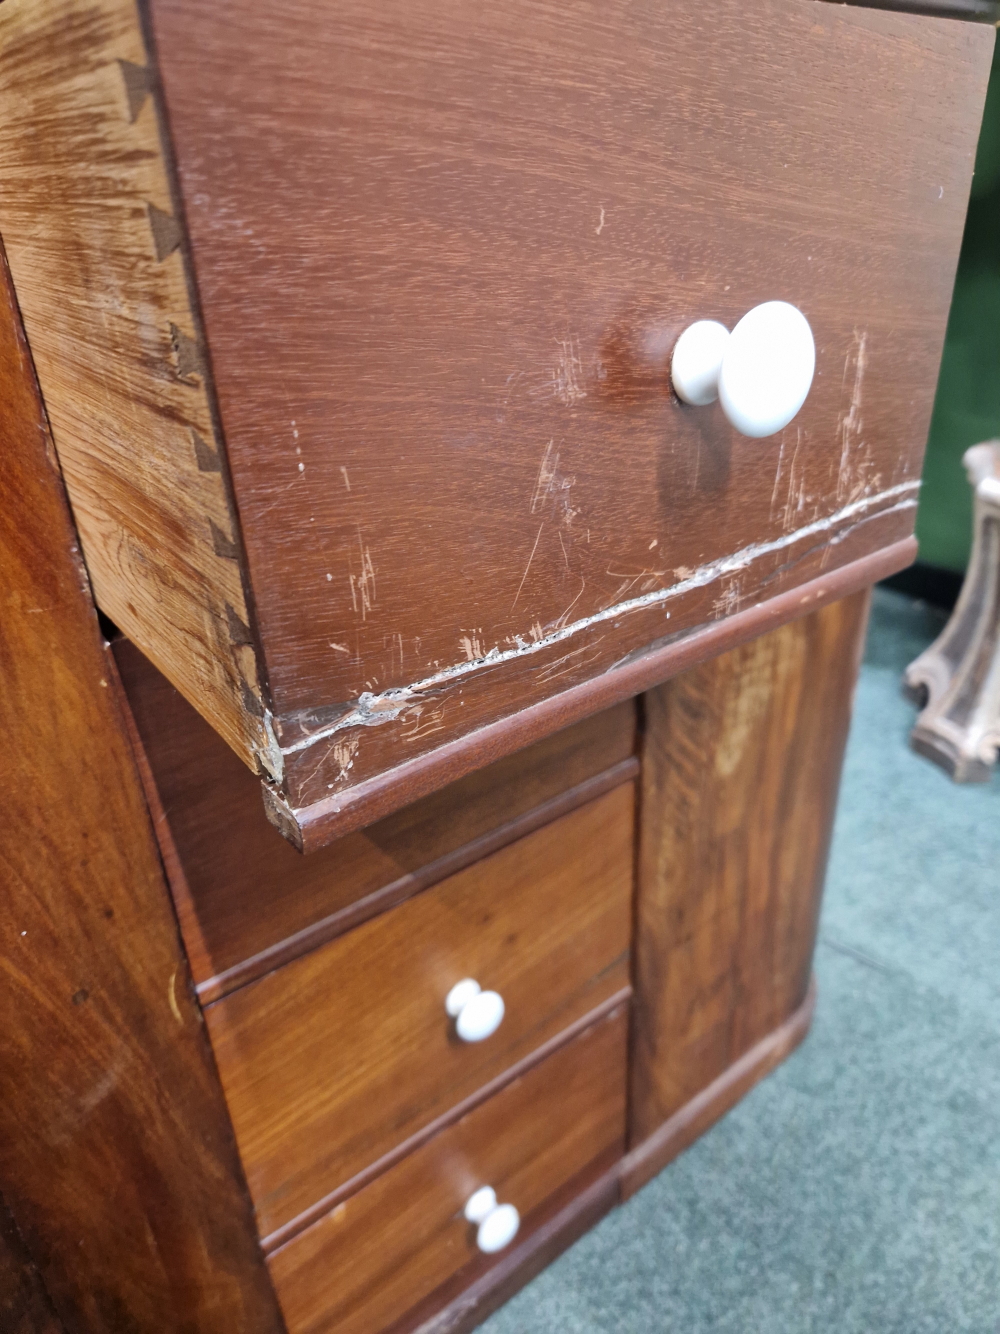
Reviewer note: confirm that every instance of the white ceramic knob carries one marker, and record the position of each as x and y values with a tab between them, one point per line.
497	1223
477	1013
460	994
498	1229
762	373
480	1203
697	362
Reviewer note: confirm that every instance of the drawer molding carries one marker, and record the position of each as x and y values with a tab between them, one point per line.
312	827
414	882
280	1236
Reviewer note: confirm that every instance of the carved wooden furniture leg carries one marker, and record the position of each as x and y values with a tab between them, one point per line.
957	679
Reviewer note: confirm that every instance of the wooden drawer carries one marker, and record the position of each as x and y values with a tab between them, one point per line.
376	1255
248	902
417	490
336	1060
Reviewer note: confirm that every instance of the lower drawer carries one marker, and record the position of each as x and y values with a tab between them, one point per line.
338	1059
376	1255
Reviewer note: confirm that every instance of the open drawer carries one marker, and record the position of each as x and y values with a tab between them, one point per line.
368	425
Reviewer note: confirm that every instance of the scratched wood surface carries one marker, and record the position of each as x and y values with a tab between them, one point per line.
741	766
443	253
336	1059
117	1158
440	256
95	245
362	1266
247	901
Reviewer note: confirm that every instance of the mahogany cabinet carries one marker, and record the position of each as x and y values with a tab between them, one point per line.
349	331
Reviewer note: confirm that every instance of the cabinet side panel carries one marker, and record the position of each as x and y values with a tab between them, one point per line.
97	252
741	767
117	1158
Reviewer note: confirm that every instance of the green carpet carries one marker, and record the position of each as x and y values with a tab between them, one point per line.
858	1188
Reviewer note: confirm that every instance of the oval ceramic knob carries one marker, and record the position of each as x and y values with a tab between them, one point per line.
767	369
498	1229
761	372
497	1223
477	1013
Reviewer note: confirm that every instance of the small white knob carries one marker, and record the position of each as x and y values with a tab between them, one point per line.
480	1203
480	1017
498	1229
460	995
498	1223
697	362
477	1013
764	370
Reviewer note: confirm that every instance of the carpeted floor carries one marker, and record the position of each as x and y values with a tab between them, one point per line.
858	1188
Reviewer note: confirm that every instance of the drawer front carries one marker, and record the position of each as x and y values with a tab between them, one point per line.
362	1266
335	1060
244	891
430	496
463	480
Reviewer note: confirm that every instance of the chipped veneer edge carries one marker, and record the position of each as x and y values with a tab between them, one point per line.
373	710
315	824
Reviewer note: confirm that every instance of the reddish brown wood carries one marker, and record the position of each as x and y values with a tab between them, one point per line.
314	826
327	928
24	1304
460	1306
274	1240
741	765
248	902
583	1205
116	1154
360	1268
444	393
441	254
679	1131
97	251
335	1059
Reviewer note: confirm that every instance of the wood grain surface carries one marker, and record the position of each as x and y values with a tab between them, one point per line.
25	1307
463	1302
117	1158
740	771
680	1130
313	827
246	900
95	243
334	1060
443	253
362	1266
